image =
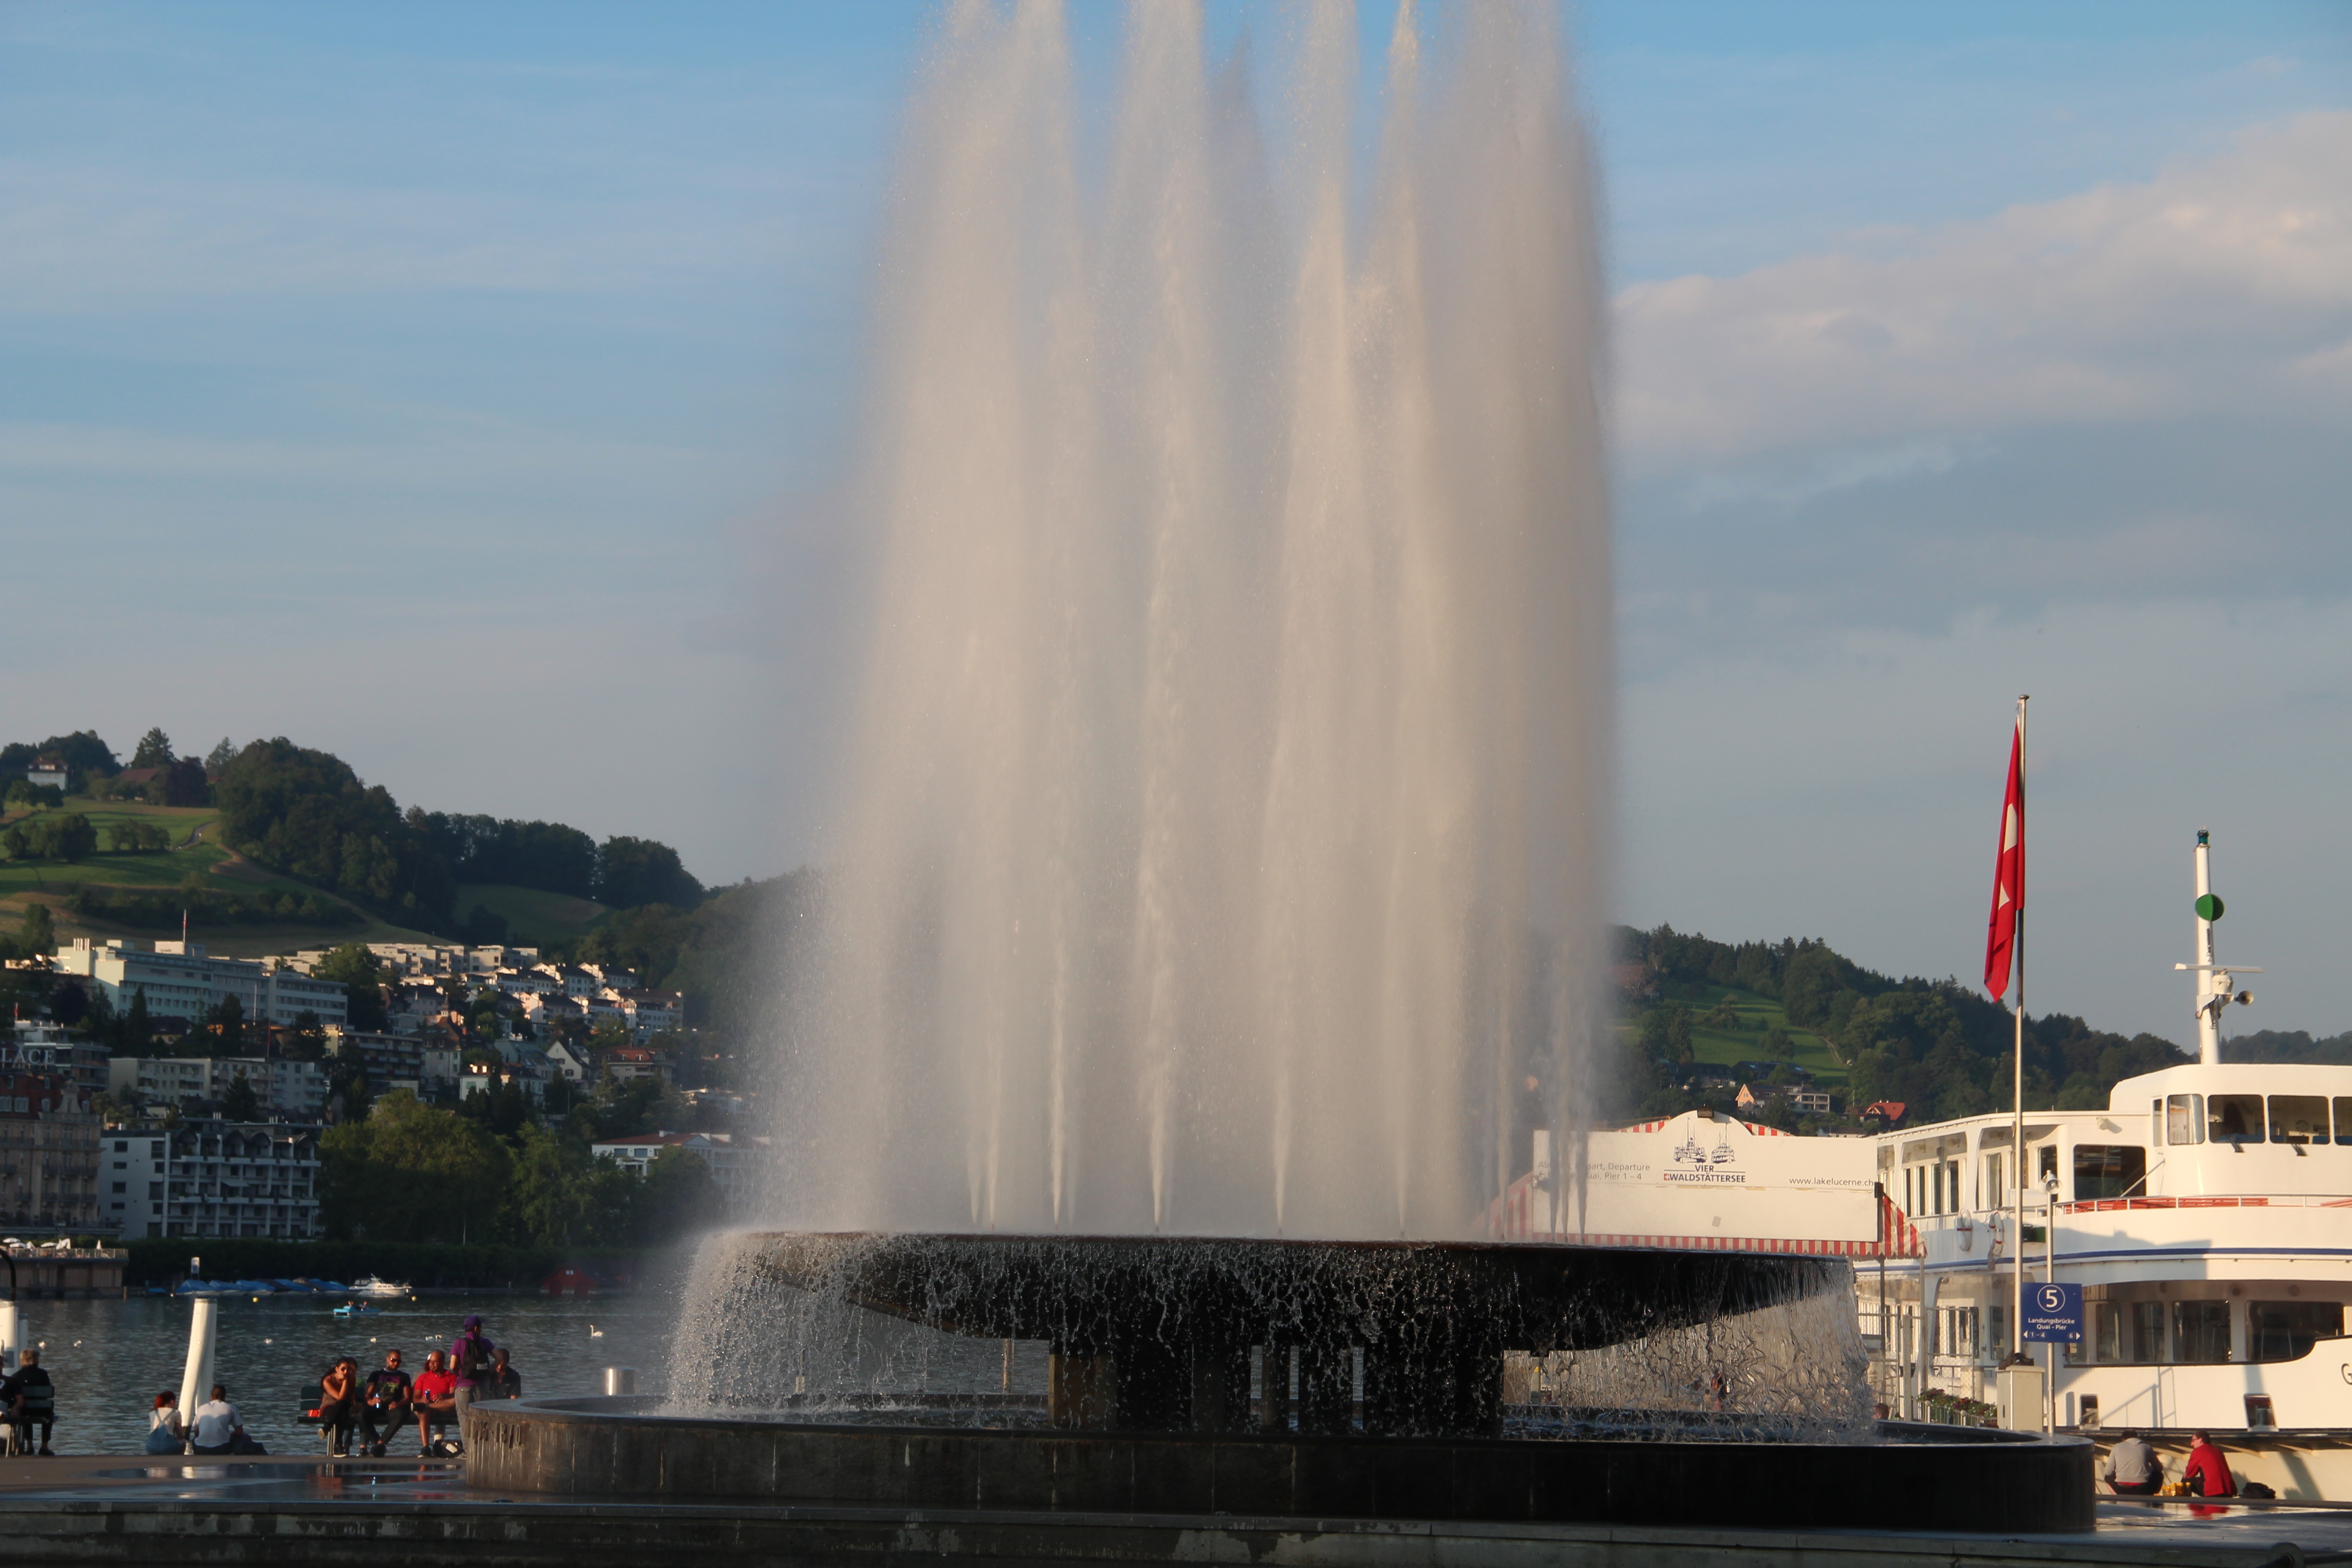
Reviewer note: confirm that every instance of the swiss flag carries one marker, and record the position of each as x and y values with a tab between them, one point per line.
2009	869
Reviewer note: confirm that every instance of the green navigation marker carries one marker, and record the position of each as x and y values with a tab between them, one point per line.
2209	906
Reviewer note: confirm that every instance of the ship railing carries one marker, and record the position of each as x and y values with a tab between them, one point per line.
2212	1201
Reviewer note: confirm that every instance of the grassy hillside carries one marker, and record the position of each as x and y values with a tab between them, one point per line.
532	916
195	862
1719	1046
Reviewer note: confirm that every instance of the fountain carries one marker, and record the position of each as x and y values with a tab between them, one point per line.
1221	851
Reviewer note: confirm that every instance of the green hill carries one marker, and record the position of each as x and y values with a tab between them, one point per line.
531	916
1718	1040
234	906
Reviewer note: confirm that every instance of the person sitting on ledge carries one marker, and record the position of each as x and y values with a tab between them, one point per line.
384	1404
504	1382
2132	1467
435	1395
217	1425
2207	1472
31	1400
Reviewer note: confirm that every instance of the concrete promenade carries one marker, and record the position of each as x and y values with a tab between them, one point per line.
157	1511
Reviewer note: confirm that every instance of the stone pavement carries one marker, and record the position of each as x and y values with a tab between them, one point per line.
163	1511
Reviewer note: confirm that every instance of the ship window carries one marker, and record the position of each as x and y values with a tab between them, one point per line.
2108	1170
2148	1332
2233	1118
2184	1118
2201	1331
2343	1119
2107	1332
2298	1119
2285	1330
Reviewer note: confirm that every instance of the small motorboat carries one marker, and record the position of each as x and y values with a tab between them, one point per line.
380	1288
354	1309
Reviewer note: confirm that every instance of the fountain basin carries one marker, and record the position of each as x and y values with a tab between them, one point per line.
1911	1479
1171	1333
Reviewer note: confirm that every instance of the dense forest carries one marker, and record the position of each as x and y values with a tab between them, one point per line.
1938	1046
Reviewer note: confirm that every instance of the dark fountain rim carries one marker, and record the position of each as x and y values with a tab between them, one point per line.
1960	1480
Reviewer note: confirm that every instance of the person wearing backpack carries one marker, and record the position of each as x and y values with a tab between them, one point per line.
470	1363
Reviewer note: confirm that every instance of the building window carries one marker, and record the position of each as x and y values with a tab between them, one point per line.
119	1187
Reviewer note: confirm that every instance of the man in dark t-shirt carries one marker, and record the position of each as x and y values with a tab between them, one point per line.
504	1382
30	1401
383	1403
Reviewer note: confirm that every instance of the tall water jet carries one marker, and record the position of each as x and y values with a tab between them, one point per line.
1219	847
1213	911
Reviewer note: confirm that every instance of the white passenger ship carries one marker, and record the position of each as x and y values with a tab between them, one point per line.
2206	1213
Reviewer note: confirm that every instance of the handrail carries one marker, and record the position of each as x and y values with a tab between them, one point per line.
2213	1201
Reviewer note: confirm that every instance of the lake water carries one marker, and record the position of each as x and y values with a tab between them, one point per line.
109	1359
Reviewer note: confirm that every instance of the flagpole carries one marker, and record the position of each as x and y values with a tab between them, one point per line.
2017	1125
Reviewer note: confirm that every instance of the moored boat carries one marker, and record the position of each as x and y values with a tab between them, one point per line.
2206	1215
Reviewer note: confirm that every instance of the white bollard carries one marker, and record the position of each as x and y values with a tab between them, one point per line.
196	1383
8	1336
620	1379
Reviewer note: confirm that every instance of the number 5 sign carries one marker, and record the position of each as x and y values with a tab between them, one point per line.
2054	1312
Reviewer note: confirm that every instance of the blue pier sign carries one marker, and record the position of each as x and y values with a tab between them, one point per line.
2054	1312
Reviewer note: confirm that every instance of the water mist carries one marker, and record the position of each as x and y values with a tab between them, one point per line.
1219	846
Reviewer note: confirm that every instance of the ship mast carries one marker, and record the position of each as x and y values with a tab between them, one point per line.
2214	983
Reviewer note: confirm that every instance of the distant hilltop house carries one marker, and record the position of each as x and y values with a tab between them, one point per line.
49	772
1889	1111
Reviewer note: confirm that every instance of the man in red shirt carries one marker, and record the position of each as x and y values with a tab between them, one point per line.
436	1394
2207	1472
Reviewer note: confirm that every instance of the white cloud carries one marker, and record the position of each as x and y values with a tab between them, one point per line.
2224	285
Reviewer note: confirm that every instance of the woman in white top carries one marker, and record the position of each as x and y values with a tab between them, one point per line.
166	1432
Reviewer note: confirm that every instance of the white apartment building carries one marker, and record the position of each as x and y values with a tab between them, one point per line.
179	981
290	1089
211	1179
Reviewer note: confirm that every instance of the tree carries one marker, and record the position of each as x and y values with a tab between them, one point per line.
217	761
153	751
307	1041
186	783
37	937
357	971
677	1199
67	835
1678	1036
307	813
1778	1045
564	1196
631	872
238	1102
227	1018
413	1172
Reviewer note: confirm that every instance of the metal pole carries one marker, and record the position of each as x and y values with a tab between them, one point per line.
2050	1277
2017	1124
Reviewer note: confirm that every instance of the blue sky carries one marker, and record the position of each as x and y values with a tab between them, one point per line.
459	389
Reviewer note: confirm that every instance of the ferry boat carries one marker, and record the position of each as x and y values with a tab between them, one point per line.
2207	1215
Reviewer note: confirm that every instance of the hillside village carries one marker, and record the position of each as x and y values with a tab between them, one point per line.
232	1079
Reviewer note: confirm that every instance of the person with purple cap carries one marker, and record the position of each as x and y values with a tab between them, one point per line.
469	1361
